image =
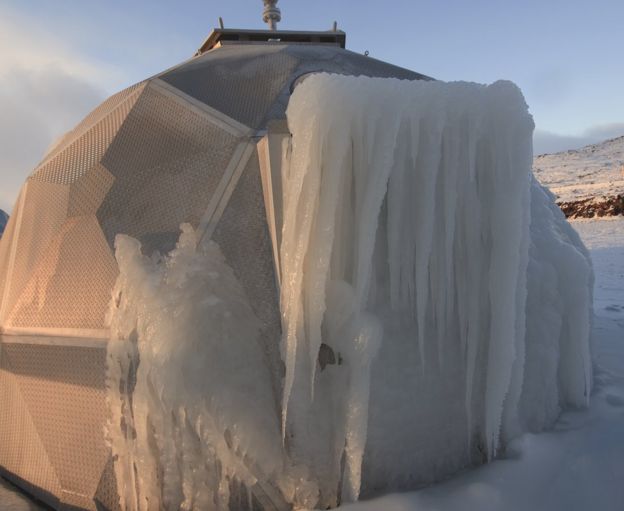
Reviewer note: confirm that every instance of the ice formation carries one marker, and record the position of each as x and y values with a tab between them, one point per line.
188	387
434	304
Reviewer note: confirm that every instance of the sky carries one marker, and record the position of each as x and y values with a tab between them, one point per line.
61	58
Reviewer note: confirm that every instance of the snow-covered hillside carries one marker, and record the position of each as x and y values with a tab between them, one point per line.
587	181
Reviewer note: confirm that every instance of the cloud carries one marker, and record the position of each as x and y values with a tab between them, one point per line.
37	107
45	89
548	142
606	131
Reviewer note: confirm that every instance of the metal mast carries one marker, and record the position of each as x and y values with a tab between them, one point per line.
271	14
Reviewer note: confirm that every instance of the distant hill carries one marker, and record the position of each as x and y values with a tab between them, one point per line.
587	182
4	218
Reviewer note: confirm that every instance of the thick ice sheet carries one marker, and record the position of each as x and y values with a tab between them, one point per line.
410	206
580	464
435	304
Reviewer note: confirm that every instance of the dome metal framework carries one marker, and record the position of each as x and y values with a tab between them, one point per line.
192	144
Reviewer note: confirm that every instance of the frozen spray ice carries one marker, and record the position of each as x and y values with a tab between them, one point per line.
452	297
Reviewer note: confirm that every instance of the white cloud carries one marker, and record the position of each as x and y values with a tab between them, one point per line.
547	142
45	89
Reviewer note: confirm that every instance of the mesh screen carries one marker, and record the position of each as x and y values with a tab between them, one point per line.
42	216
61	391
70	182
160	170
251	83
243	235
332	59
86	144
87	193
167	161
70	287
106	496
241	81
22	452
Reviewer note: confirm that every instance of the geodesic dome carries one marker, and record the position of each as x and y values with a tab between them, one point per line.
180	147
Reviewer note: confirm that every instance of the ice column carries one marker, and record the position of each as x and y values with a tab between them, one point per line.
413	198
189	390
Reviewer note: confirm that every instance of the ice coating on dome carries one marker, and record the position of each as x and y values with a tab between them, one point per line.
427	284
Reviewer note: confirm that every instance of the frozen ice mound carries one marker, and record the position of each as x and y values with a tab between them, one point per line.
434	301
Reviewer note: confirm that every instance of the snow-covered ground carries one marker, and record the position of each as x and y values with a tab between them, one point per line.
580	464
591	171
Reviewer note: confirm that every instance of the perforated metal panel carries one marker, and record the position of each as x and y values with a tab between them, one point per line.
330	59
52	434
243	235
83	146
240	81
87	192
106	496
64	291
34	230
252	83
22	451
70	182
167	161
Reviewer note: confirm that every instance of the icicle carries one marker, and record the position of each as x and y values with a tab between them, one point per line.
453	262
363	351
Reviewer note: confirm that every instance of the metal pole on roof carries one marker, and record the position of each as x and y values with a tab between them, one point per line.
271	14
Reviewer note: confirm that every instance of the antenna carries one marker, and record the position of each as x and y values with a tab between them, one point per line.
271	14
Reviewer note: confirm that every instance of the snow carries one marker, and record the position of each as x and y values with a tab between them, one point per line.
592	171
603	238
577	466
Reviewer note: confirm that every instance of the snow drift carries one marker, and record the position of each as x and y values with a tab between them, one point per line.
434	304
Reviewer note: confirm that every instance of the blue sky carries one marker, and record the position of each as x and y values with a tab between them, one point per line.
59	58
